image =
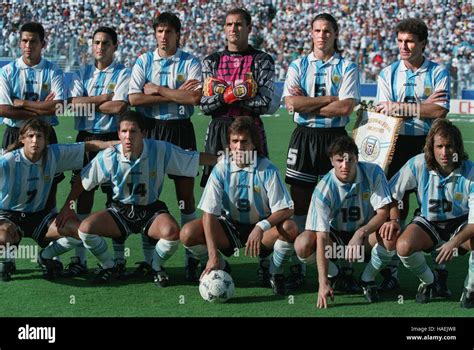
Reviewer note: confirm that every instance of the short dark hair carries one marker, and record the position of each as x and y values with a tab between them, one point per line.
332	20
341	145
240	11
132	117
168	19
413	26
245	125
33	27
444	128
107	30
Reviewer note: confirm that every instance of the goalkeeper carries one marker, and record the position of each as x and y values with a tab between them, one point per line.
238	81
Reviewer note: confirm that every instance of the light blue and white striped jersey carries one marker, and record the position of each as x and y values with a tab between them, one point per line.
140	181
397	83
246	195
24	185
337	77
91	81
171	72
19	80
440	198
348	206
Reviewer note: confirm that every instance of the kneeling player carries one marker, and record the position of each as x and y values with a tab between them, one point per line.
244	203
135	168
348	206
443	177
26	176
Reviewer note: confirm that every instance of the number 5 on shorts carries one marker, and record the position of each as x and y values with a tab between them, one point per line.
292	155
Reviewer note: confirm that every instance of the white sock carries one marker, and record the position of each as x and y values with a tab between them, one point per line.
300	222
80	250
163	251
393	265
98	246
200	252
148	248
380	258
119	250
60	246
416	263
469	281
282	252
310	260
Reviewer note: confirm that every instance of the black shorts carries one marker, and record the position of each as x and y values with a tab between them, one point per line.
84	136
406	148
236	233
307	154
11	136
135	218
178	132
216	140
342	238
441	231
32	225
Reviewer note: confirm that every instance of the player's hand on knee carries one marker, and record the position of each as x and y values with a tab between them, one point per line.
64	216
446	252
252	247
214	86
389	230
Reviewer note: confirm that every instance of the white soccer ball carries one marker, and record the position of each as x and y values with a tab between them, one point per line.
217	287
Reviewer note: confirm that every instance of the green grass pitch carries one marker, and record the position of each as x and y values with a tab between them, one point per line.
29	295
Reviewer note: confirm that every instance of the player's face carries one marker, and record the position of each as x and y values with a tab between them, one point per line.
411	48
31	46
131	138
345	166
166	38
242	148
323	35
103	48
444	153
236	30
33	144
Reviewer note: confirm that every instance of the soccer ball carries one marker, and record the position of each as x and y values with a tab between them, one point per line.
217	286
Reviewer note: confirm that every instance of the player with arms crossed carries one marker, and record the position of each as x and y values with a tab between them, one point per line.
245	203
443	179
136	169
165	85
349	205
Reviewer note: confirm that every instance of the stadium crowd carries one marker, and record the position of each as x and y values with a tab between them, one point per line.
366	34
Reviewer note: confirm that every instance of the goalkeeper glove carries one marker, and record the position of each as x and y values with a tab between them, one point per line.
242	91
214	86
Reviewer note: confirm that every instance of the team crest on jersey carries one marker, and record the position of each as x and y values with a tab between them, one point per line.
256	189
370	148
44	86
111	87
180	77
336	79
365	196
427	91
458	196
152	174
47	178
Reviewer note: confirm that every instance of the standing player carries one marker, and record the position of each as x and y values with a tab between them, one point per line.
238	81
136	169
244	203
417	90
103	85
26	176
321	90
349	205
31	87
165	85
443	179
